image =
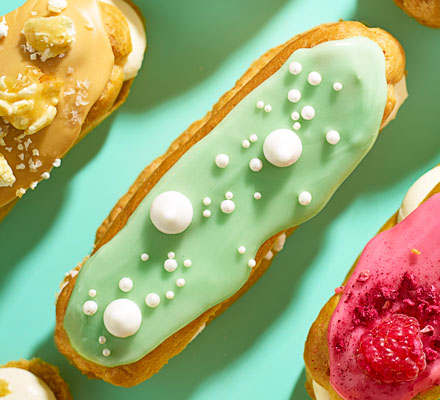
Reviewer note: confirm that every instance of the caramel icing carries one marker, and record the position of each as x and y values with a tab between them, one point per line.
85	69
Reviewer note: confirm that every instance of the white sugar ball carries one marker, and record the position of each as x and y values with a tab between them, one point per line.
207	201
268	108
171	254
256	164
227	206
170	265
314	78
144	257
206	213
257	195
242	250
169	295
92	292
253	138
294	95
252	263
229	195
337	86
245	143
304	198
106	352
171	212
222	160
187	263
308	112
152	300
180	282
125	284
90	307
295	68
282	147
297	126
260	104
295	115
102	340
333	137
122	318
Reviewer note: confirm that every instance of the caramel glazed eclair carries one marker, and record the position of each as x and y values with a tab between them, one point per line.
32	380
201	224
378	337
67	65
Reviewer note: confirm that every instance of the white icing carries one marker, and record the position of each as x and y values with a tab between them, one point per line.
171	212
90	307
295	68
144	257
242	249
418	192
260	104
314	78
187	263
170	265
308	112
337	86
253	138
256	164
294	95
282	147
268	108
137	34
222	161
152	300
207	201
304	198
122	318
169	295
56	6
227	206
320	392
125	284
257	195
400	94
333	137
24	385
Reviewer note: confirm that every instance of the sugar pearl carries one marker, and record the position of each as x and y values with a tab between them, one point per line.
125	284
297	126
171	254
256	164
169	295
187	263
253	138
227	206
106	352
337	86
206	201
268	108
260	104
206	213
170	265
152	300
304	198
90	307
314	78
222	160
102	340
295	68
333	137
282	147
294	95
229	195
257	195
180	282
122	318
242	249
308	112
92	292
144	257
252	263
295	115
245	143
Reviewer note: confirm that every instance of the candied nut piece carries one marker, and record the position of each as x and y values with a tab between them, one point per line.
7	177
57	6
29	102
49	36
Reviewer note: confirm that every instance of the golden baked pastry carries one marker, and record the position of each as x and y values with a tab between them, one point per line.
122	362
427	12
34	377
70	64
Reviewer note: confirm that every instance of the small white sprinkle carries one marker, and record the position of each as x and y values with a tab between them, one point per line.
229	195
245	143
269	255
57	163
252	263
90	307
106	352
295	68
222	160
170	265
294	95
169	295
171	254
297	126
45	175
206	213
304	198
227	206
92	292
257	195
20	147
206	201
308	112
102	340
187	263
144	257
314	78
242	249
268	108
253	138
255	164
34	185
125	284
180	282
337	86
152	300
295	115
260	104
333	137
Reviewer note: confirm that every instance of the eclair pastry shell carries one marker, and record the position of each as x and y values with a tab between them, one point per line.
260	70
316	355
116	90
47	373
427	12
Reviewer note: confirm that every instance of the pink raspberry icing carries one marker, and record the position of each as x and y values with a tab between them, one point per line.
384	335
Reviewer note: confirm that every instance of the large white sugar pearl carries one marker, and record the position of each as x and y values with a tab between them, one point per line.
333	137
314	78
222	160
125	284
90	307
294	95
304	198
152	300
122	318
171	212
282	147
295	68
308	112
227	206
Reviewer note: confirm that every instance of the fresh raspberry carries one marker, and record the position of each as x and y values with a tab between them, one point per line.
392	351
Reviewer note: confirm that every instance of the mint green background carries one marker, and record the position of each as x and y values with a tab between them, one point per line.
198	48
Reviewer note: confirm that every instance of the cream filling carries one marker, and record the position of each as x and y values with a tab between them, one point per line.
401	94
137	34
24	385
418	191
320	392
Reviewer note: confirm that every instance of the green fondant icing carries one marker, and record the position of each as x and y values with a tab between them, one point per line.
218	270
